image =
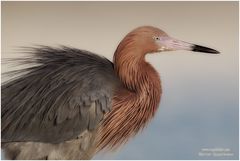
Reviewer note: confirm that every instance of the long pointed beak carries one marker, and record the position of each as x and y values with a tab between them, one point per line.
198	48
168	44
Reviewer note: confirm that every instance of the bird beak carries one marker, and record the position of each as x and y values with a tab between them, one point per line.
171	44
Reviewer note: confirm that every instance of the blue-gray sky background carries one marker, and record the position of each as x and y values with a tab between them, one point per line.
199	107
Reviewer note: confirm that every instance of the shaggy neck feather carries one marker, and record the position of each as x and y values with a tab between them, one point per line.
134	105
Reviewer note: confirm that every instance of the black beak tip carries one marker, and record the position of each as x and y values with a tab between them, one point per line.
198	48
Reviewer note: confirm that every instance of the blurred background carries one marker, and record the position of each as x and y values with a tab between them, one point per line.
198	114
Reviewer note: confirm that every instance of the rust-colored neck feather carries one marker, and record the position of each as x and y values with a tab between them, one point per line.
136	103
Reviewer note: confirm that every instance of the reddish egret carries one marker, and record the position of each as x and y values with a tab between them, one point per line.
74	103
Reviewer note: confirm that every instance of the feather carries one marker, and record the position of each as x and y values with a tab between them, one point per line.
56	95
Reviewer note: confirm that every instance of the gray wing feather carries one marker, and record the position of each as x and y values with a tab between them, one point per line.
51	102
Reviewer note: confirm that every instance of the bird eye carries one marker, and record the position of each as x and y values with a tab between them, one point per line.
156	38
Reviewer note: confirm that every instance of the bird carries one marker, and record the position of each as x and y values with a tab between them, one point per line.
72	103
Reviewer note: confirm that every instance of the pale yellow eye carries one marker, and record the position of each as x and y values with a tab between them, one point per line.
156	38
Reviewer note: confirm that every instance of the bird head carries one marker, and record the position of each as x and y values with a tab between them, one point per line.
152	39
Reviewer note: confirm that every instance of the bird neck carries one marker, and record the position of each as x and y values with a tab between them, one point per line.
137	75
134	104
